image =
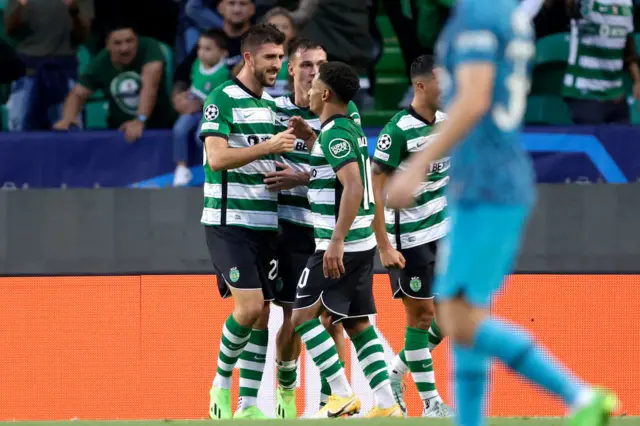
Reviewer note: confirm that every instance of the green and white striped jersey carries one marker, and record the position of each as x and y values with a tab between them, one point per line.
293	205
426	220
341	141
203	81
239	196
596	52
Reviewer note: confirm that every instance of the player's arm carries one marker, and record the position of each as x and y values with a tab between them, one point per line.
303	131
352	193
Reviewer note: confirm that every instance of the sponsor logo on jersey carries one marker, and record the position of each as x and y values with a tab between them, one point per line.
339	148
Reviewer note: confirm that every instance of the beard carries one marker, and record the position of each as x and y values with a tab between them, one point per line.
261	77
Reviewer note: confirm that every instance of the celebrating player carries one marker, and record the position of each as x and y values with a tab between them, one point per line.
240	215
296	241
407	238
339	275
487	51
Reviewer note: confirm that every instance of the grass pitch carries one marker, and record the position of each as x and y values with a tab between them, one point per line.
415	421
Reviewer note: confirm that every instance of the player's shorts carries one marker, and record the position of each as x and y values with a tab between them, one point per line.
479	251
243	259
416	279
295	245
349	296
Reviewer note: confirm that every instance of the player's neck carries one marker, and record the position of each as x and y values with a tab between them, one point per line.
301	98
331	110
424	111
248	80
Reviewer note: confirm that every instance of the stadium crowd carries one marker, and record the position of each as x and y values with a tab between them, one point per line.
148	64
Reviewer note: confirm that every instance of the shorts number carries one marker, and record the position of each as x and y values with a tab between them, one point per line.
273	272
519	52
368	186
304	276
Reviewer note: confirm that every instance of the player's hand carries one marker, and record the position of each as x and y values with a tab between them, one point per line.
391	258
281	142
332	265
132	130
401	187
301	128
286	178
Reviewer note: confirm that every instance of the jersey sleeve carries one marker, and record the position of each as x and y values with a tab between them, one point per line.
353	113
152	51
390	147
477	38
339	148
91	77
217	116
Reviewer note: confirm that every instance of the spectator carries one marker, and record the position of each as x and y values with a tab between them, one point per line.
199	16
602	46
50	32
130	74
282	19
237	15
12	66
207	73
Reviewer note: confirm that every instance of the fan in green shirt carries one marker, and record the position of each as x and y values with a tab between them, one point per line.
129	72
208	72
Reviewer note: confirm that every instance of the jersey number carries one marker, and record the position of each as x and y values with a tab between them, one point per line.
368	186
273	272
304	276
508	117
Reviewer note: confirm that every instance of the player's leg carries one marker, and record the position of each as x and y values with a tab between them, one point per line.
288	347
251	363
310	303
234	260
477	337
358	297
336	330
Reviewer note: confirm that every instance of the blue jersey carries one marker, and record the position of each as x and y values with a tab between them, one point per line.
490	165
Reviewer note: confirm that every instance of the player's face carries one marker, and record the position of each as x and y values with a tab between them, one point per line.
123	46
305	66
267	62
283	23
237	12
208	51
317	96
428	87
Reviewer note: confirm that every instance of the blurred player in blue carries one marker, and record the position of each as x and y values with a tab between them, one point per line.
484	53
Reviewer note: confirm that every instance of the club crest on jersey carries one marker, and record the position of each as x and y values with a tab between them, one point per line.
339	148
234	275
384	142
211	112
415	284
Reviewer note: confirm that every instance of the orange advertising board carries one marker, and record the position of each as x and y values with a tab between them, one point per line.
144	347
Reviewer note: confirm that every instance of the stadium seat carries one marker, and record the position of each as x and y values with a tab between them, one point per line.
550	64
96	112
547	110
167	51
377	118
552	48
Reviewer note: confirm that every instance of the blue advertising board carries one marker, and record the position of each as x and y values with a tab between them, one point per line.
103	159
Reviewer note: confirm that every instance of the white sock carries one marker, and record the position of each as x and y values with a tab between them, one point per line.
245	402
398	368
585	396
384	396
340	385
222	382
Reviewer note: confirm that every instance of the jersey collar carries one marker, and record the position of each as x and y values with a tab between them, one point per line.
292	98
415	114
332	118
245	88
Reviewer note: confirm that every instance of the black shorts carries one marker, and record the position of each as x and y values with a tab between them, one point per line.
295	245
349	296
416	279
243	259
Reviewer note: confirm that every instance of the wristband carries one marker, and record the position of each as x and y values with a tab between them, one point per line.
141	118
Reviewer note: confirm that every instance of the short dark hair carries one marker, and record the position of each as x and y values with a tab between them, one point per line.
279	11
218	36
261	34
341	79
422	66
119	25
301	43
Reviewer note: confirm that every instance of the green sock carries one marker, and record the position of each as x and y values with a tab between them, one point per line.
435	335
371	358
251	366
324	354
287	374
233	341
416	347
